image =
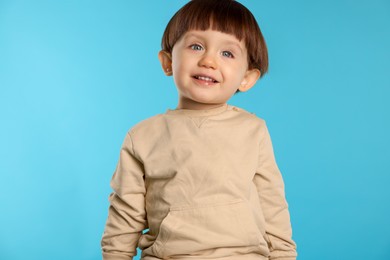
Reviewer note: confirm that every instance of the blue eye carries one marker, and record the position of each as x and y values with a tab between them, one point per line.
196	47
227	54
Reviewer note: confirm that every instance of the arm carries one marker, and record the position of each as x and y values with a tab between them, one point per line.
126	217
270	188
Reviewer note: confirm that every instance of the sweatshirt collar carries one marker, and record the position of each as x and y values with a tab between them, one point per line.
200	112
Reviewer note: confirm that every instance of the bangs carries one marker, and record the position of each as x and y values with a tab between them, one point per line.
214	15
226	16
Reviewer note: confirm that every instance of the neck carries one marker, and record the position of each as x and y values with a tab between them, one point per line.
191	105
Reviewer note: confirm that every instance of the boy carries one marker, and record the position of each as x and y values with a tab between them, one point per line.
202	178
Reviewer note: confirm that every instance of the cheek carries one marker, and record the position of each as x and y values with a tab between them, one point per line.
237	74
177	63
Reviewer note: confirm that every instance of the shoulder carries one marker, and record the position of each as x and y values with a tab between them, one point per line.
246	115
147	125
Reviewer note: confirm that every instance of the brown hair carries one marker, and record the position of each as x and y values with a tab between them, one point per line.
227	16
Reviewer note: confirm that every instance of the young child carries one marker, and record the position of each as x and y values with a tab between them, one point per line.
202	178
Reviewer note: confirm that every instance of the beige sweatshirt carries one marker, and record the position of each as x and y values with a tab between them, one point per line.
206	186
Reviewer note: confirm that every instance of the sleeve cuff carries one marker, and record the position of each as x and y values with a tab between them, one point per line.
109	256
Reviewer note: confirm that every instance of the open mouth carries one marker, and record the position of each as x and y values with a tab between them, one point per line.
206	79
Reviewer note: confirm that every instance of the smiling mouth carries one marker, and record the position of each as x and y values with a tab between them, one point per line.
206	79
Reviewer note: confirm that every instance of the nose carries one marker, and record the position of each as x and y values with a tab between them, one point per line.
208	61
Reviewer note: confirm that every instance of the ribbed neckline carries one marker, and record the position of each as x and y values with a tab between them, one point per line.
200	112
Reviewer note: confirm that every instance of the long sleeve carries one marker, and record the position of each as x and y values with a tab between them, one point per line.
270	188
126	217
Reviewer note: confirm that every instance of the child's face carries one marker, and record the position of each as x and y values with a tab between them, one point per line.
208	68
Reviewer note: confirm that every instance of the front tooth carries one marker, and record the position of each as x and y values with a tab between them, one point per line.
205	78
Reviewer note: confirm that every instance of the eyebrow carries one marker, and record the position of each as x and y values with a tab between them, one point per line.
228	42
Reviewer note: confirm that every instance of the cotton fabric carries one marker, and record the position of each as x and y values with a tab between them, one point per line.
205	184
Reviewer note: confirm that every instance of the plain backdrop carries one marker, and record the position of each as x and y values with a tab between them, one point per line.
76	75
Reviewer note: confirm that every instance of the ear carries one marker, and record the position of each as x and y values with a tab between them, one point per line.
250	79
166	62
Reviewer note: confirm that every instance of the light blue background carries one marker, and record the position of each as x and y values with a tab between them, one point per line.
76	75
